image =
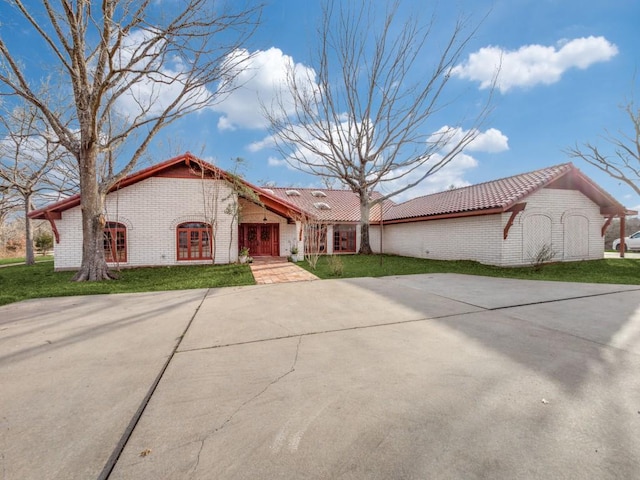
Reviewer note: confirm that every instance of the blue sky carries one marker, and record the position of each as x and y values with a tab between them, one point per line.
581	58
567	66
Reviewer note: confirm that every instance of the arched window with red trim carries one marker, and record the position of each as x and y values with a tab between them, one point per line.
194	241
115	242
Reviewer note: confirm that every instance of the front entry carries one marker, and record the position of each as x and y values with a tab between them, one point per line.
262	239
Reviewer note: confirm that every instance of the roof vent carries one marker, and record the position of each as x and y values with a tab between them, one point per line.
268	190
293	193
322	206
318	194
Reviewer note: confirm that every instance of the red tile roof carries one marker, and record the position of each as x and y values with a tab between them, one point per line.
499	195
344	205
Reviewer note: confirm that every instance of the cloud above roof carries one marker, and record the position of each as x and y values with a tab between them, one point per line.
260	81
532	65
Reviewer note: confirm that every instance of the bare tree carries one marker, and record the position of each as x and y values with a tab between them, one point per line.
368	118
624	163
33	165
133	66
8	204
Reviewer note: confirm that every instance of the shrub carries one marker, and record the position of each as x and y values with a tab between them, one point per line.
336	267
544	254
43	242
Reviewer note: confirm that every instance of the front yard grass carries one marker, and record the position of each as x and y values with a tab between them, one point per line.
11	261
608	270
20	282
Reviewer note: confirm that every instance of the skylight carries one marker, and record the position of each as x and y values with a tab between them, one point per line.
318	193
293	193
322	206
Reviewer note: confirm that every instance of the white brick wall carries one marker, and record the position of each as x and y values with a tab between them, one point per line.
480	238
151	210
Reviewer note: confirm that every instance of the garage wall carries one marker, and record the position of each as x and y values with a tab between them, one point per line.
472	238
566	220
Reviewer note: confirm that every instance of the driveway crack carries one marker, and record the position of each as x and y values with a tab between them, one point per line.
292	369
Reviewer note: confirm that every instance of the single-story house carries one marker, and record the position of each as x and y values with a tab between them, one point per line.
186	211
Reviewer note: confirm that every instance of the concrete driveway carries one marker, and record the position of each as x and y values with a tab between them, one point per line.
413	377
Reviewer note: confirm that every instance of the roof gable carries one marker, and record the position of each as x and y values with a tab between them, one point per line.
182	166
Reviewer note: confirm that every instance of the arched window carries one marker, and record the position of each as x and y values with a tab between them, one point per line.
194	241
115	242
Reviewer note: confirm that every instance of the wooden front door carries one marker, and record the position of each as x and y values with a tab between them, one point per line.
262	239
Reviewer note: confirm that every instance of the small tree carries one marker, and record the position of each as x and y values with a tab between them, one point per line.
43	242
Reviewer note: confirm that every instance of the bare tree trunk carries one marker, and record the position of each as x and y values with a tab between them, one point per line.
28	230
365	208
94	266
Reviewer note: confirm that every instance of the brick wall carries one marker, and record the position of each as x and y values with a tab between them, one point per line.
574	224
151	210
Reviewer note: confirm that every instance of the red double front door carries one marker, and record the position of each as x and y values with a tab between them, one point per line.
262	239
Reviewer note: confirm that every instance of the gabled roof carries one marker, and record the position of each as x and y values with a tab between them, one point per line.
180	166
501	195
328	204
331	205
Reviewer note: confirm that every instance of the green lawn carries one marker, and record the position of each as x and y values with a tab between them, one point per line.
39	258
21	282
610	270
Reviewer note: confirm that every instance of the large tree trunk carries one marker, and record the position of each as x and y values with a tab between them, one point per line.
365	208
94	266
30	258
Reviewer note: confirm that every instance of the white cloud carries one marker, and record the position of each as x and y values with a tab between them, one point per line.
261	80
490	141
267	142
276	162
533	64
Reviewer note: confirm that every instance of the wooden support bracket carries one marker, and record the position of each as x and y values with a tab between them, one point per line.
51	220
606	225
515	210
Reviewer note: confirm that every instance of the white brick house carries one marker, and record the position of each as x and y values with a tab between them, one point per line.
184	211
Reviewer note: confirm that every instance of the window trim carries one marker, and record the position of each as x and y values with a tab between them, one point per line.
111	254
203	228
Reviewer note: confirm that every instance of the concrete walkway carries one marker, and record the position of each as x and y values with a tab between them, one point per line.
278	270
435	376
